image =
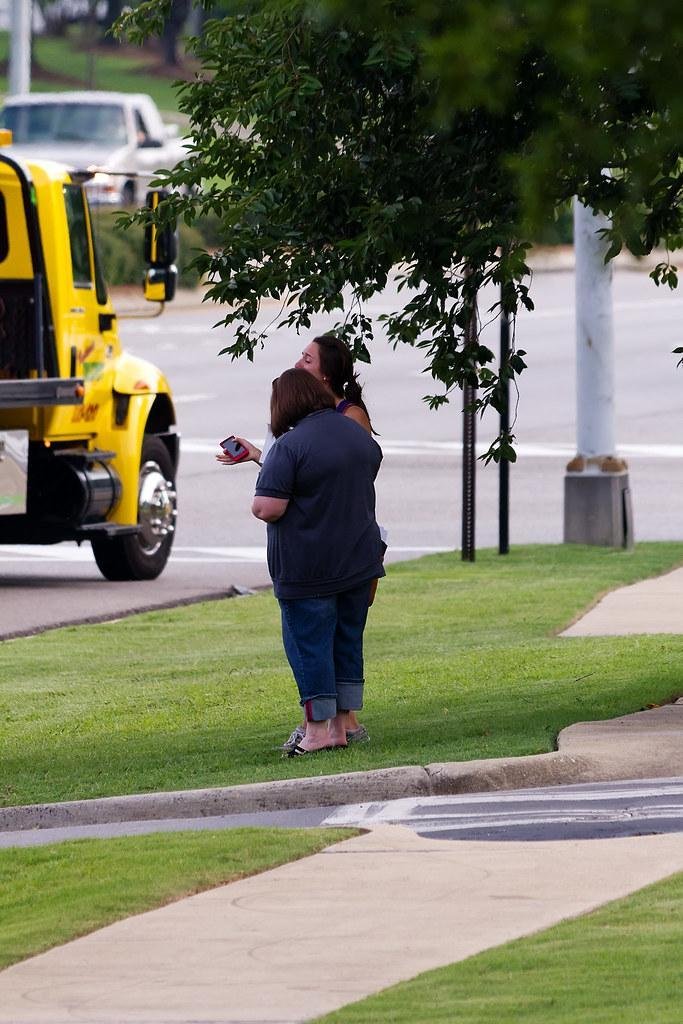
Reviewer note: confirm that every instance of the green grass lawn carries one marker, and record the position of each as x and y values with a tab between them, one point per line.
461	662
64	64
618	965
51	894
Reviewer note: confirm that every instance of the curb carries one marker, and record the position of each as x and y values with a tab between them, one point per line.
554	258
448	779
114	616
320	791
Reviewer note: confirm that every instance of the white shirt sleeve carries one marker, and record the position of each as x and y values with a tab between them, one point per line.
268	443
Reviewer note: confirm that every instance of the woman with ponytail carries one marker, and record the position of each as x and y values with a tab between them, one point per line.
329	360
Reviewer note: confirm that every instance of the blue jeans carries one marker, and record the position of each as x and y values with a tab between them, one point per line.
323	640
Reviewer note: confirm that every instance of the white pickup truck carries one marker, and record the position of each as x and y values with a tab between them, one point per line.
120	136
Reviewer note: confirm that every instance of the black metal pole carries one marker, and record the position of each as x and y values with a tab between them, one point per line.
469	457
504	465
469	464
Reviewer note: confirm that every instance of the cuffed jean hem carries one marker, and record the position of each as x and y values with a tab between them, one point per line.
350	694
319	709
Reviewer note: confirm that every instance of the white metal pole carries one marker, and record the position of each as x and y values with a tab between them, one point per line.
597	495
595	417
20	47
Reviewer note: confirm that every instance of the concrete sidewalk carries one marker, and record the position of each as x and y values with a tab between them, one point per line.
252	951
256	950
650	606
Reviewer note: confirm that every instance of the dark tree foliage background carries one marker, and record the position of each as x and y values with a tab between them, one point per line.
341	142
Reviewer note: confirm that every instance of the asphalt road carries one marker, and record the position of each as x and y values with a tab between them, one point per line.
219	546
588	811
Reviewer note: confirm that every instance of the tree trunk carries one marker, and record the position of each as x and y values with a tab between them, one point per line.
175	21
114	9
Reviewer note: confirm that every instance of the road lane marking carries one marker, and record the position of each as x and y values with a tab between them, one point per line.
186	399
648	801
256	554
536	450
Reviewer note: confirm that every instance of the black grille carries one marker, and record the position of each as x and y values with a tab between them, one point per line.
17	330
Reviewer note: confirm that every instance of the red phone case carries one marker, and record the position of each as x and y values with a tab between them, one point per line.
236	457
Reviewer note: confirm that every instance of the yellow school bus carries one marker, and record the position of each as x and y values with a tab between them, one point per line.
88	440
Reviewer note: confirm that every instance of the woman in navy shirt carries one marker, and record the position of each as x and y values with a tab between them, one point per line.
316	493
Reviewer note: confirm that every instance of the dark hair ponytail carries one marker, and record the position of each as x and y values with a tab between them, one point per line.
336	363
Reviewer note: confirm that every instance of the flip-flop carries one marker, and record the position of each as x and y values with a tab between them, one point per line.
359	735
294	737
298	751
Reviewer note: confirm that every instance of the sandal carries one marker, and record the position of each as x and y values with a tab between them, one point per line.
294	737
359	735
298	751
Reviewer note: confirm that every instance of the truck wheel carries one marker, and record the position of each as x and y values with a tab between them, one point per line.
143	555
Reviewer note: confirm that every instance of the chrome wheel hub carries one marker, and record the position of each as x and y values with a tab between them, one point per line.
156	507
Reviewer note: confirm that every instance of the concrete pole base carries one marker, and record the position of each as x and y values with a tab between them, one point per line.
597	509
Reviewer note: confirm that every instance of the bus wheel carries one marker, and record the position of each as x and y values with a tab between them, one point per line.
143	555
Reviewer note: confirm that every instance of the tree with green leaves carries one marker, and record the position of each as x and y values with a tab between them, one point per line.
340	143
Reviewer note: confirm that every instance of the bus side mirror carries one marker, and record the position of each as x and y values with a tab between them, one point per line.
160	254
159	284
161	243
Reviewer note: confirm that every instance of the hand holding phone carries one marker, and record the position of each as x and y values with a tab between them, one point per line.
233	449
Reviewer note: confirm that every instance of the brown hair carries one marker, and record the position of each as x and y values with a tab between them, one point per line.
295	394
336	363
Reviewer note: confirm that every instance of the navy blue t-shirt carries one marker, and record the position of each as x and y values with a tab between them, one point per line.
328	540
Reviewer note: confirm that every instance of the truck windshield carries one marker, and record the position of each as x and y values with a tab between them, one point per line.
65	122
